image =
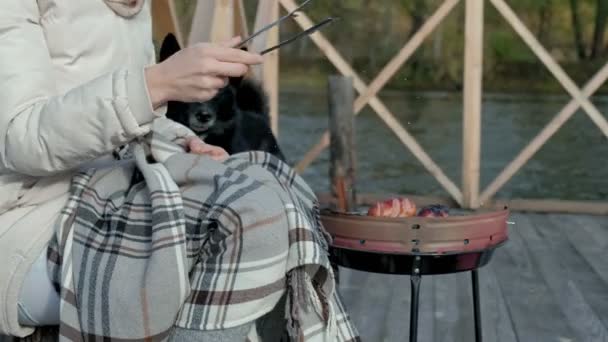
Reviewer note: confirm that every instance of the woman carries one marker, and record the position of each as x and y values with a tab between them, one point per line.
78	80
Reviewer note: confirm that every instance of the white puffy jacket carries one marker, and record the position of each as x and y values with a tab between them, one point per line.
71	90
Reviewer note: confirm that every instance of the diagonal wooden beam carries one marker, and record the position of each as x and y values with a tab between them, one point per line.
385	75
541	138
407	139
405	53
550	63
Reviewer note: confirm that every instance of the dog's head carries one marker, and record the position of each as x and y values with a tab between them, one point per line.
212	116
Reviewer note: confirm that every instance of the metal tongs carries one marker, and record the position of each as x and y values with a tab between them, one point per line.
289	40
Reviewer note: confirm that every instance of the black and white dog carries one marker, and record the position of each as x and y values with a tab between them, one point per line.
236	119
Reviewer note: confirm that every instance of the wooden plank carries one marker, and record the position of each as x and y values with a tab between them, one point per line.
202	22
405	53
530	303
406	138
453	308
444	301
379	305
539	140
366	296
583	273
471	126
496	321
396	326
589	239
342	151
426	317
568	277
563	78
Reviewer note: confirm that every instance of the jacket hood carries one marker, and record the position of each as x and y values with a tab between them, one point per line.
125	8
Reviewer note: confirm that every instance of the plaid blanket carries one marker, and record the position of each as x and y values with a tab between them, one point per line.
175	239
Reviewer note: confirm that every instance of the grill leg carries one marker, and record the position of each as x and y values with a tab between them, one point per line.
414	299
415	284
476	306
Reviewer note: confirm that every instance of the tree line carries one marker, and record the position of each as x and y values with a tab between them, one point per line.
370	32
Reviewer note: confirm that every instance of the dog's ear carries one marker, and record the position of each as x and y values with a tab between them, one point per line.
169	47
235	81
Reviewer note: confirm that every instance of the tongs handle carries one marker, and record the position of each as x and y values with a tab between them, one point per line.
299	35
273	24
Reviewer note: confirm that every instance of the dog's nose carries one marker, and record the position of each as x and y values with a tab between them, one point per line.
203	117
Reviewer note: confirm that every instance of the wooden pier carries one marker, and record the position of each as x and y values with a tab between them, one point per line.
214	21
549	282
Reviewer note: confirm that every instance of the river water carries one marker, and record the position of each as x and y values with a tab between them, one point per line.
572	165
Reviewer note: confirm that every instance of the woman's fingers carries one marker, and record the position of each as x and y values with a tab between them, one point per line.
226	54
197	146
213	82
229	69
232	42
196	73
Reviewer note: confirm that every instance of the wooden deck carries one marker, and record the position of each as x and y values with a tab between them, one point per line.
548	283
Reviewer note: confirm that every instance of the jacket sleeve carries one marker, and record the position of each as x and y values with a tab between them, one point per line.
43	132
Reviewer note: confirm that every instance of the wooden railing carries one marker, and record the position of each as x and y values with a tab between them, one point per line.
469	195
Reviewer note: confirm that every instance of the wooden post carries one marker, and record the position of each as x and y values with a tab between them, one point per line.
263	17
202	22
240	22
268	72
223	21
271	72
473	74
342	141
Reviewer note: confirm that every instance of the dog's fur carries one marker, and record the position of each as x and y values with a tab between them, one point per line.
236	119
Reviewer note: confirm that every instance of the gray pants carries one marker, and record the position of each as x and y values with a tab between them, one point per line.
270	328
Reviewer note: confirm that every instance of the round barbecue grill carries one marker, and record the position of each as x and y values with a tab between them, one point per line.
417	246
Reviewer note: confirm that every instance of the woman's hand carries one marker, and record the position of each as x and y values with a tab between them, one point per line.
197	146
196	73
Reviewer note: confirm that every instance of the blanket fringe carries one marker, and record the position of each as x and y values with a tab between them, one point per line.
304	294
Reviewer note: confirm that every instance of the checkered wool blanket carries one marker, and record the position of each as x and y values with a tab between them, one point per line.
176	239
